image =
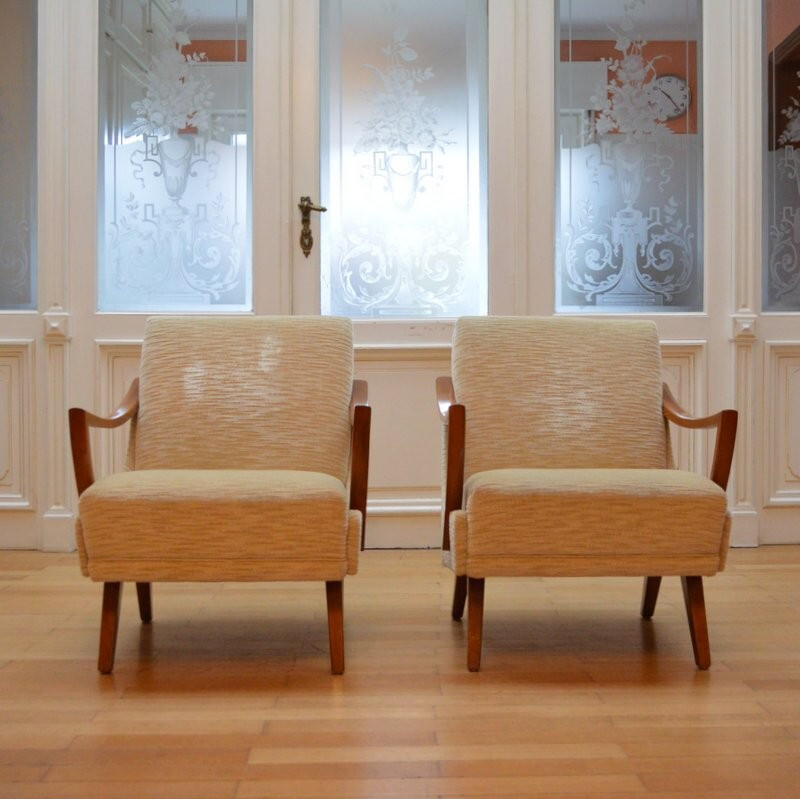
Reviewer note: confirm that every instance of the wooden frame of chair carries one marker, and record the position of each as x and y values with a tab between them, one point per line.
81	421
453	415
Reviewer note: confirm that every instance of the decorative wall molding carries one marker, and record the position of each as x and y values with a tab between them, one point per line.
782	434
17	416
743	483
56	326
413	354
744	328
746	162
684	370
60	489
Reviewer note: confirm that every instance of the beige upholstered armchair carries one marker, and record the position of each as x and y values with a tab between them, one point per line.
558	463
248	461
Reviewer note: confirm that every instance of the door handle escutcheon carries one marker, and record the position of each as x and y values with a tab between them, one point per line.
306	206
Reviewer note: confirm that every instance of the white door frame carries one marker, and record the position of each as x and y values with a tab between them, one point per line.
730	355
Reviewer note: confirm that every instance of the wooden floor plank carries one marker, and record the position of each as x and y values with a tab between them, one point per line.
229	692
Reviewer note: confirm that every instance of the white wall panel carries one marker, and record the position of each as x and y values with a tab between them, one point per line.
683	366
117	366
404	473
782	440
17	414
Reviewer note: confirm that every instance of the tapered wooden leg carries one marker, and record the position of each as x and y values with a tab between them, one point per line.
696	613
649	595
145	602
109	625
459	596
334	591
475	623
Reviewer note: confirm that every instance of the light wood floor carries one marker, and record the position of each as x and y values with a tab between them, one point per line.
228	692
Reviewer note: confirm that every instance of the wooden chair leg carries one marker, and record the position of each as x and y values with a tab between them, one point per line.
459	596
145	602
334	591
696	613
109	625
649	595
475	623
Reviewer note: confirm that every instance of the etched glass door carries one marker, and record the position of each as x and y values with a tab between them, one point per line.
18	157
781	273
629	230
175	113
403	158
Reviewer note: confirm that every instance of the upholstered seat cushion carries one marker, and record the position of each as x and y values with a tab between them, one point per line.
203	524
590	522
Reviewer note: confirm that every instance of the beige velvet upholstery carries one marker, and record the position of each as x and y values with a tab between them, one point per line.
567	466
590	522
552	393
239	457
245	393
263	525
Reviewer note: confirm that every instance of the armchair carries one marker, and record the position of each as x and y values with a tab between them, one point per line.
248	461
557	462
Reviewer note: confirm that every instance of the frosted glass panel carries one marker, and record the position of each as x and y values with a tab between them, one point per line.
17	155
781	282
403	158
629	226
174	229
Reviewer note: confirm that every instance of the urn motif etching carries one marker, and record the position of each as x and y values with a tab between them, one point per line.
782	278
402	159
177	209
630	197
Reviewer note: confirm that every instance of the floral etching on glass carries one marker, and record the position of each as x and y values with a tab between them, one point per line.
401	167
628	231
176	217
783	278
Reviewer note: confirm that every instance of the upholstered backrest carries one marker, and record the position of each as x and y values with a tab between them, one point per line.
559	392
245	393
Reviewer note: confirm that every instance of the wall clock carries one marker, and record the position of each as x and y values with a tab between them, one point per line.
670	94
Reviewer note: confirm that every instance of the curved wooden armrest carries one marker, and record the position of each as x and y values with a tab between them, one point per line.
81	420
453	415
724	421
360	416
126	410
445	394
359	396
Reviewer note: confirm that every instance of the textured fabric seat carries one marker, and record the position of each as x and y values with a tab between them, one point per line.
144	526
557	461
247	459
590	522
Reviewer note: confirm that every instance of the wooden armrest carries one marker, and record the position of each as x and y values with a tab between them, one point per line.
126	410
445	394
454	415
359	396
360	416
81	420
724	421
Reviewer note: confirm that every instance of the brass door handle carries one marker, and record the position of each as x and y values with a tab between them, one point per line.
306	206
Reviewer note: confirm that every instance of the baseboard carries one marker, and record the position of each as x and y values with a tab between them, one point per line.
744	528
58	532
403	531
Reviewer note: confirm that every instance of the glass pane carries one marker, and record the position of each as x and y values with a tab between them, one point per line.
629	227
17	155
403	158
175	227
781	288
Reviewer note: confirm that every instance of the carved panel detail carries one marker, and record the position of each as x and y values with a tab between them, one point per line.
782	443
17	414
117	366
683	370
